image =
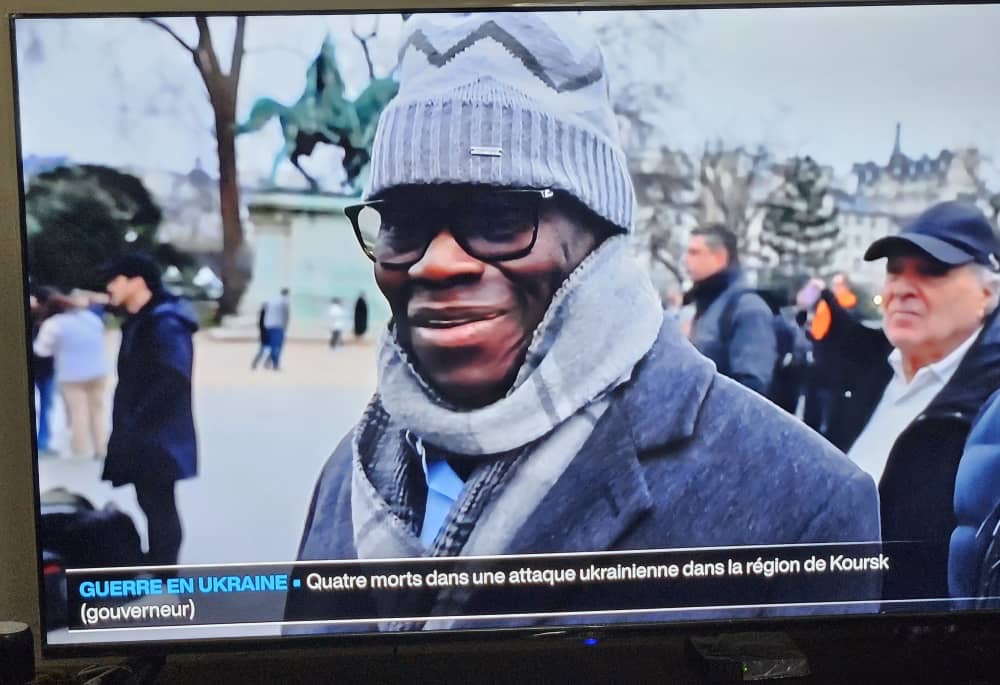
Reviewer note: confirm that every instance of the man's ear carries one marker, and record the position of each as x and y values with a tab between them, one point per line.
722	256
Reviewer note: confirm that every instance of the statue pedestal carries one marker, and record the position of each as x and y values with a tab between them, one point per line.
303	242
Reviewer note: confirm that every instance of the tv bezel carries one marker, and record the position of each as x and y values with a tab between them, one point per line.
15	370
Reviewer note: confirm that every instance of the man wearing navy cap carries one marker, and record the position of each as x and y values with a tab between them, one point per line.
153	442
906	393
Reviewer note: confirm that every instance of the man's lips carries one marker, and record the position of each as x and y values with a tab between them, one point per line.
450	317
454	326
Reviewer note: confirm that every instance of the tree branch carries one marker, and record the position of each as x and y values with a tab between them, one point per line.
661	253
238	49
173	34
206	51
717	191
364	46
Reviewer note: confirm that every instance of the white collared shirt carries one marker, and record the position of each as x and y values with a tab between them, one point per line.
902	402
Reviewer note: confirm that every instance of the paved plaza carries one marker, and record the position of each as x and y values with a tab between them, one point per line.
263	437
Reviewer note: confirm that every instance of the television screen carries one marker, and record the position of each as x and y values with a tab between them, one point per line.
422	322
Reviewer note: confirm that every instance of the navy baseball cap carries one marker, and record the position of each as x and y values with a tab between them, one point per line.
952	233
132	265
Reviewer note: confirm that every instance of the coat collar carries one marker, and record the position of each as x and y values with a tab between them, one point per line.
669	385
706	291
977	376
603	491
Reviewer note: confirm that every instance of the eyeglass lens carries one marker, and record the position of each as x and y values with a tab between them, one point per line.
491	226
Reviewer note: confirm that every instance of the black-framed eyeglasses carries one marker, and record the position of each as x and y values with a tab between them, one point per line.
491	225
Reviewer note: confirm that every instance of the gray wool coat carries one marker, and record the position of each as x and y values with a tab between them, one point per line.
683	457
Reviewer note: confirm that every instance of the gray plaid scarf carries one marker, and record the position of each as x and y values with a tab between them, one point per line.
601	322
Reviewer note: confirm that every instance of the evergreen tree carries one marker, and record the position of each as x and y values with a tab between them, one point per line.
799	226
80	217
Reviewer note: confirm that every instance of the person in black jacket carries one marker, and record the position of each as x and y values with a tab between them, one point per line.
732	326
153	442
905	394
264	352
360	315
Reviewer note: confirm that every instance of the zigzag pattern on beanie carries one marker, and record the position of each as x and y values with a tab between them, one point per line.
514	99
490	29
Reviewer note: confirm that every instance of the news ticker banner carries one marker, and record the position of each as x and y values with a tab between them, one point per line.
352	592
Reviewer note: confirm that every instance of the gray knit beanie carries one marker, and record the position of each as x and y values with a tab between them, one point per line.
514	99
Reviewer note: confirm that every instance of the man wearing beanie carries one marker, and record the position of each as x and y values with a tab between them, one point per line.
531	398
152	442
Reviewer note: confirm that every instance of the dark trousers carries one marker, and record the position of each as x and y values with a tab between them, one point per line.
786	388
818	399
158	503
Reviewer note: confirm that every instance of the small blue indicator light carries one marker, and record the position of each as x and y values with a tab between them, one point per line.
590	641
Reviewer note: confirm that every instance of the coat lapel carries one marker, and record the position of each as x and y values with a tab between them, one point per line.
603	495
603	492
598	497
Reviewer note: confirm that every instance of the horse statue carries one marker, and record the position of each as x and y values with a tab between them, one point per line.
324	115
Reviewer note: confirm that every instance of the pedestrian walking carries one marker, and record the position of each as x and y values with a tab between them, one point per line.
277	314
335	316
264	351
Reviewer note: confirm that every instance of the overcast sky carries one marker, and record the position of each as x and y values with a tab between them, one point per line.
831	82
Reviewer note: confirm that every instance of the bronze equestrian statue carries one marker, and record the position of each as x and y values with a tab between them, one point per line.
323	115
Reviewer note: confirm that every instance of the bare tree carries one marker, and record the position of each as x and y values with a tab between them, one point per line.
725	185
730	180
972	163
363	39
665	187
977	169
664	178
222	86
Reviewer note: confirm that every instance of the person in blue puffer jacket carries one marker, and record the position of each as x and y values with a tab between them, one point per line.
973	568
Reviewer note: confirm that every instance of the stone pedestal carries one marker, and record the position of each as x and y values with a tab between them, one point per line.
303	242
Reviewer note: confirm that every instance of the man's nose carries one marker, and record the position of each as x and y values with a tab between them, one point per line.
443	259
902	285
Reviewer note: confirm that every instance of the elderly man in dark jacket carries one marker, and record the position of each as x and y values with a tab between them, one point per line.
733	326
906	393
152	440
532	399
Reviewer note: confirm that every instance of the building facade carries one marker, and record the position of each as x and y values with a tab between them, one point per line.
885	197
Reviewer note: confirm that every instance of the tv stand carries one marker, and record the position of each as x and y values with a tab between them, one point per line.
747	656
141	670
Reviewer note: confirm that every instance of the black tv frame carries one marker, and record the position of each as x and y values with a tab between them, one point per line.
888	624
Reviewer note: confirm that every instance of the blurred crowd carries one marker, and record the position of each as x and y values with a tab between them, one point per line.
69	357
910	396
